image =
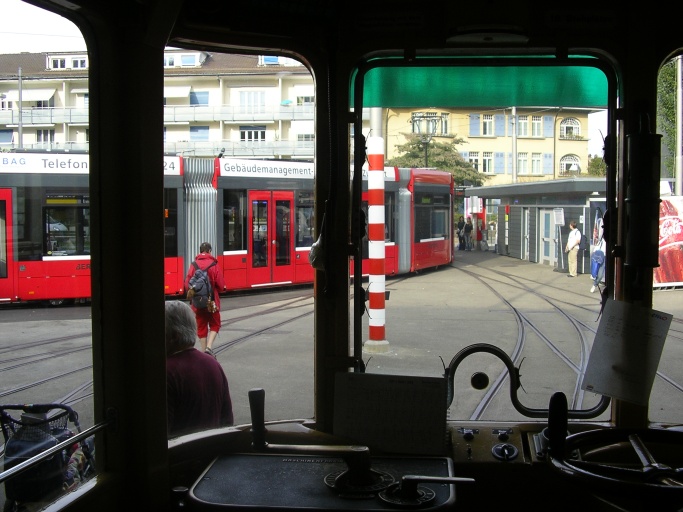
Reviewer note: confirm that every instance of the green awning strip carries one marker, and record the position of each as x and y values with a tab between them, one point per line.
487	86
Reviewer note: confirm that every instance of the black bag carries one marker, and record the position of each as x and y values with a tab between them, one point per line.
29	440
201	284
583	244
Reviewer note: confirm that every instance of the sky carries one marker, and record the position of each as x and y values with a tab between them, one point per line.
25	28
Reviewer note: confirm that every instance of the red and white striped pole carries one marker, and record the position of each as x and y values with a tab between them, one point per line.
376	248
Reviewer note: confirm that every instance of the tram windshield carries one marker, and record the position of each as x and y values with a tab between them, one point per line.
524	141
471	198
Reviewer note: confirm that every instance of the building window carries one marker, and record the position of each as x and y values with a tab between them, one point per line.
252	102
5	104
570	128
535	163
536	126
45	136
487	162
67	62
169	61
522	163
569	165
305	100
199	133
200	98
522	126
188	60
473	158
45	103
252	133
305	137
487	125
444	123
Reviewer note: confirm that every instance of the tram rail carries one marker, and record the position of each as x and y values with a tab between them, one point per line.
283	316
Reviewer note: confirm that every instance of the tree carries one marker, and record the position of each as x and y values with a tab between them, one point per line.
596	166
440	155
666	115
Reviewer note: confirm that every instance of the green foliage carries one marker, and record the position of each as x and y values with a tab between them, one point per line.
666	115
596	166
440	155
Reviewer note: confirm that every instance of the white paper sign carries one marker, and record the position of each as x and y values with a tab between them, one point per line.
626	352
393	413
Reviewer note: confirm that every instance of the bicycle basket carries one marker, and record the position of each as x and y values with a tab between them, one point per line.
25	438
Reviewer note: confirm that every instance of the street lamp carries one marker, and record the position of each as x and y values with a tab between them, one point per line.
430	123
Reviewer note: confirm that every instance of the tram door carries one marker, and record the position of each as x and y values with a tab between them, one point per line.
7	285
271	219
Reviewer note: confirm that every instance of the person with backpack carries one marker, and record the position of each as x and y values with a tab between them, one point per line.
199	291
572	248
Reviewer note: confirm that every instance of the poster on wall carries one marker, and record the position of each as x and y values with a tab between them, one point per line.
670	270
597	210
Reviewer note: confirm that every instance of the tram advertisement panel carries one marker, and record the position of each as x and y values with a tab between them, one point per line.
670	270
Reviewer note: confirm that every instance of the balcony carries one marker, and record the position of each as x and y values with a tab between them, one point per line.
44	116
239	114
266	149
76	147
172	114
273	149
568	136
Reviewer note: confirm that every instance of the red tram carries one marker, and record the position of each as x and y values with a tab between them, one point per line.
45	225
258	215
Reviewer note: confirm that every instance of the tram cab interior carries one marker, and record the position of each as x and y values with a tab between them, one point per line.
364	56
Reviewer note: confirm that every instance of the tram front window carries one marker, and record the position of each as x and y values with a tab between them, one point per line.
485	296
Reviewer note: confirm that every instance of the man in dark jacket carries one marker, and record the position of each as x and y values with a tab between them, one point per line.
208	323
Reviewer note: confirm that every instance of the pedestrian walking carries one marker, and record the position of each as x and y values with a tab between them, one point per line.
208	322
468	234
461	233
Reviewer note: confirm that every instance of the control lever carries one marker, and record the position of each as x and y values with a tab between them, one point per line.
557	425
359	477
407	493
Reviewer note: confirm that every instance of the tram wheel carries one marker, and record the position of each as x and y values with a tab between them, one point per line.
59	302
629	463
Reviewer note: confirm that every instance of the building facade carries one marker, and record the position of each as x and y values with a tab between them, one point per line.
250	106
549	142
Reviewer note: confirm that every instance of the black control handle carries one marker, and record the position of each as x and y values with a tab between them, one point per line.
257	406
557	425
